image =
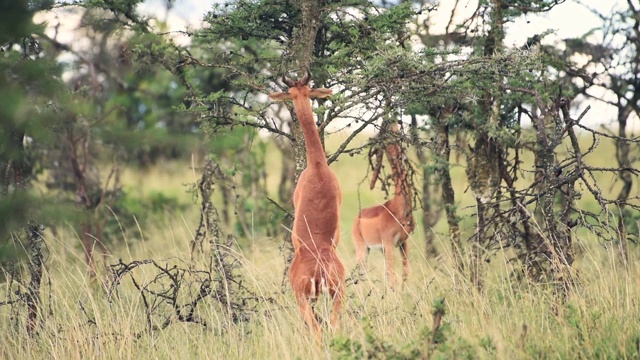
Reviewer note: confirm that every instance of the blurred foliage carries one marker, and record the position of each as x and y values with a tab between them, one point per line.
114	108
242	153
29	82
129	212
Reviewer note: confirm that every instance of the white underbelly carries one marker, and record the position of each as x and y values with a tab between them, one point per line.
396	242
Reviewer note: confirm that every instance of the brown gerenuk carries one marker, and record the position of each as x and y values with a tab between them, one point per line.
387	225
316	267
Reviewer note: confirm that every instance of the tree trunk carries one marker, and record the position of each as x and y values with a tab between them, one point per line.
300	55
300	156
555	229
483	164
16	174
448	194
226	205
531	254
622	155
430	214
88	246
91	241
287	176
36	266
483	174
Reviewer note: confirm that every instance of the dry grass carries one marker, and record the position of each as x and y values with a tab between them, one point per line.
600	319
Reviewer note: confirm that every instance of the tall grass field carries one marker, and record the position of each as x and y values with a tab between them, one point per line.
511	319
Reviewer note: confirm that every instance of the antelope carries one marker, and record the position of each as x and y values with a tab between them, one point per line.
388	225
316	266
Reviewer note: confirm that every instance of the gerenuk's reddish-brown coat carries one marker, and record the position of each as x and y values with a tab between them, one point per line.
387	225
316	266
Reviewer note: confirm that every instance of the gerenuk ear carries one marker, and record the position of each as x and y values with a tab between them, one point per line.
280	96
320	93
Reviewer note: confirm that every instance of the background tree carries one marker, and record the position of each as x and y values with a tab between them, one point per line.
26	90
493	117
612	67
541	228
477	113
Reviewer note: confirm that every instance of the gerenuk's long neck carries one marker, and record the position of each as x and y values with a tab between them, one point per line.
315	151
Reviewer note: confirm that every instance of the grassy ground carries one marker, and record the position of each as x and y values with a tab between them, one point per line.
511	321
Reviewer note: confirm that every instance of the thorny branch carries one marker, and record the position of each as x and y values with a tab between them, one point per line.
178	287
539	220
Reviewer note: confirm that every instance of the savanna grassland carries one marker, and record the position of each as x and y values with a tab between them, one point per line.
81	319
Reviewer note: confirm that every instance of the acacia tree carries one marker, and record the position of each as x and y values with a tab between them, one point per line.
431	205
104	106
539	220
26	86
361	53
492	117
281	26
486	113
434	157
295	37
479	113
